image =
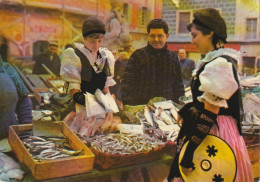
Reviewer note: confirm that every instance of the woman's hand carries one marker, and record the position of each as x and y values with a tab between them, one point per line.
186	171
73	91
179	120
106	90
212	108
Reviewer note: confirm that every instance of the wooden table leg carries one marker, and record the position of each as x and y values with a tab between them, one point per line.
124	176
145	174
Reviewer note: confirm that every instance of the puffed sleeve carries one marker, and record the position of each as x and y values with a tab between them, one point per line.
71	69
111	63
217	82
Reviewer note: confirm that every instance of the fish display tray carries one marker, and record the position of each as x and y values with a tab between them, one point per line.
52	168
105	161
49	82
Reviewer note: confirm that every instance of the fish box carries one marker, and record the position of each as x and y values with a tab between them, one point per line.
253	147
52	168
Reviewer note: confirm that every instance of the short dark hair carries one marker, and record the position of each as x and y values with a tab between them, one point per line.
205	31
158	24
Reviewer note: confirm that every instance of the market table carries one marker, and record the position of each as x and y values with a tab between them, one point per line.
105	175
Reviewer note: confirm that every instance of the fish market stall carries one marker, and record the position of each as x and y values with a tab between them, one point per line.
139	139
136	135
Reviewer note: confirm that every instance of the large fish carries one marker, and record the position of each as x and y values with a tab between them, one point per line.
78	121
9	169
148	115
166	117
102	100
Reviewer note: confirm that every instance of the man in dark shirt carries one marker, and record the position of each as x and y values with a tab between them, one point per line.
152	71
187	66
50	59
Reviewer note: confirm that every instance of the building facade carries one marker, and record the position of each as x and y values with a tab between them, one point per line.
242	20
26	25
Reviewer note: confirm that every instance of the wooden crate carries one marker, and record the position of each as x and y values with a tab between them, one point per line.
51	85
253	147
52	168
254	155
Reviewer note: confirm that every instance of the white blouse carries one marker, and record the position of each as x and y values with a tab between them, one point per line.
71	65
217	80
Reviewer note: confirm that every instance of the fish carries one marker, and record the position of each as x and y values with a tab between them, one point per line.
7	163
87	126
15	174
102	100
125	143
144	123
107	123
69	118
165	117
71	152
174	113
148	115
37	138
59	156
46	148
78	121
255	119
158	121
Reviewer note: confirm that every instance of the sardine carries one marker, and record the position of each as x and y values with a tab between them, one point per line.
59	156
37	138
71	152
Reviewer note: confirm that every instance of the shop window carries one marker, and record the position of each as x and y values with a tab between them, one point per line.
143	16
251	28
249	65
258	65
183	19
39	47
127	10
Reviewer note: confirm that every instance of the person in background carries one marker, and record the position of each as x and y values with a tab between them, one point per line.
187	66
66	47
15	106
49	59
115	54
119	71
152	71
217	107
89	66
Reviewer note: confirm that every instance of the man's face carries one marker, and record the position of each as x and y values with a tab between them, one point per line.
53	49
157	38
182	54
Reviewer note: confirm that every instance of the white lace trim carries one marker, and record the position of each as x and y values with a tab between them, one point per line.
217	53
213	99
105	55
110	82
